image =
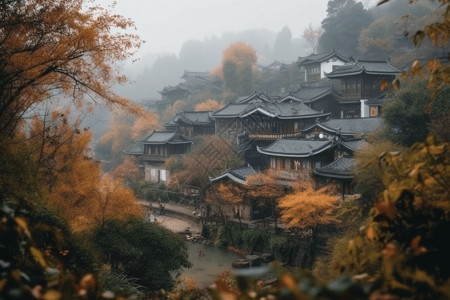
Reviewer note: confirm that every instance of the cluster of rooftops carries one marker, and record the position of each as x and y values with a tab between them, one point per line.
324	124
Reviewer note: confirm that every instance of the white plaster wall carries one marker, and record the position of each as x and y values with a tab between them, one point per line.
327	66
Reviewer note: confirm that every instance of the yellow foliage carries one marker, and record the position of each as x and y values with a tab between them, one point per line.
307	207
208	105
72	50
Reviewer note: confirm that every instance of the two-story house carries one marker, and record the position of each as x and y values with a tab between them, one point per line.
192	123
315	66
357	83
157	148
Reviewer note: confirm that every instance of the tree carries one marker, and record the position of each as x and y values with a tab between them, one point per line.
368	173
342	26
312	35
238	68
122	132
306	209
208	105
282	49
378	39
409	114
408	226
142	250
223	197
436	31
264	188
59	47
211	156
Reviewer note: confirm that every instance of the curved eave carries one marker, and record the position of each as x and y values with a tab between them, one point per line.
263	111
230	176
167	142
132	153
303	117
331	75
300	155
333	175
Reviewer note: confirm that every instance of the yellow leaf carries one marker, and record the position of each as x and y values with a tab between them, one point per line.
38	256
370	233
22	224
52	295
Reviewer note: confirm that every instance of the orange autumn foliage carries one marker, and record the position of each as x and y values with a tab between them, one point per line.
307	207
128	170
71	177
53	47
238	53
208	105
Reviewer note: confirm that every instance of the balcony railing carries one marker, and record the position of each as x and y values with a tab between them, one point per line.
153	157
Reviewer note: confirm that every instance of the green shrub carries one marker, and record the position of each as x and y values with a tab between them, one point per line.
283	248
255	240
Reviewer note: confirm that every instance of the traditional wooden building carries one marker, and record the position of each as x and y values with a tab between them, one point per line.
339	172
293	159
264	118
157	148
358	82
243	210
319	98
345	128
315	66
192	124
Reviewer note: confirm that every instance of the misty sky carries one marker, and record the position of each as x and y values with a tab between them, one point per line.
167	24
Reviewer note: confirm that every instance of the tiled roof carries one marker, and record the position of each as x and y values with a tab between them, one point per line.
295	147
310	94
170	88
342	168
354	144
363	66
135	149
194	117
238	174
166	137
283	110
349	126
255	97
319	57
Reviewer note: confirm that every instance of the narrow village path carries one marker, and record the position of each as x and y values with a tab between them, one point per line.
176	218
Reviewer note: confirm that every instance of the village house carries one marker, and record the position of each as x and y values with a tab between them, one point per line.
244	210
345	128
261	117
315	66
357	86
293	159
192	124
157	148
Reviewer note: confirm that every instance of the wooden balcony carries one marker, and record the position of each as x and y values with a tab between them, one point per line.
292	175
270	136
152	157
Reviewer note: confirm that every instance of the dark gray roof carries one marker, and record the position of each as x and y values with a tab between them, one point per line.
166	137
170	88
193	117
320	57
295	147
188	74
255	97
349	126
283	110
342	168
238	174
135	149
363	66
310	94
354	144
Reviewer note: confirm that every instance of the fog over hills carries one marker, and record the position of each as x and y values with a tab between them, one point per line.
152	72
